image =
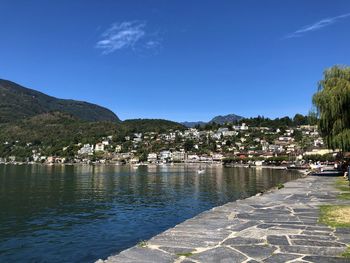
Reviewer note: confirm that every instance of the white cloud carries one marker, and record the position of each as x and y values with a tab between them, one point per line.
125	35
151	44
316	26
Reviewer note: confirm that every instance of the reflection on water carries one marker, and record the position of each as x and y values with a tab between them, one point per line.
82	213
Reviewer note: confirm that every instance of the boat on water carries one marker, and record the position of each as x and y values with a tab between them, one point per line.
135	166
259	163
201	171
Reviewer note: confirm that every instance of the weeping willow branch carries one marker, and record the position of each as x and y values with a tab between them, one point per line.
332	101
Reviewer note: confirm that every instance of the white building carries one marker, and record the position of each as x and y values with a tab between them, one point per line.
222	130
165	156
86	149
244	127
105	143
217	157
216	135
99	147
229	133
285	139
178	156
134	160
193	158
118	148
276	148
152	157
318	142
137	139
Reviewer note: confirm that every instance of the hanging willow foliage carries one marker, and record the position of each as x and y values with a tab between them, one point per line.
332	101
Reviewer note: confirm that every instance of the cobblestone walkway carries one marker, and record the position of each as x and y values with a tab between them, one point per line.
280	226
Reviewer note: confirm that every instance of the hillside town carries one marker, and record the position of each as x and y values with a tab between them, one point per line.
229	143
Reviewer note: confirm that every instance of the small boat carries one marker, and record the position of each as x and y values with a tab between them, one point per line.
259	163
136	165
201	171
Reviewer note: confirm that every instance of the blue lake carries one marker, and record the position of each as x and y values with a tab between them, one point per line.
83	213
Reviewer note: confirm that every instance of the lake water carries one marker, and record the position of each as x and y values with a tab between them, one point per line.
83	213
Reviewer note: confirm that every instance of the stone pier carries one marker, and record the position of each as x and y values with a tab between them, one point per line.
279	226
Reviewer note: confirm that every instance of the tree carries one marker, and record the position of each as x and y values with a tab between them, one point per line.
300	119
312	118
188	145
332	102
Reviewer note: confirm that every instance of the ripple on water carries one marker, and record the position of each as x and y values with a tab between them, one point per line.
82	213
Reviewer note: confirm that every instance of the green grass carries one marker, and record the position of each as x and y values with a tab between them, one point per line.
280	186
346	254
142	243
342	184
335	215
338	215
344	196
184	254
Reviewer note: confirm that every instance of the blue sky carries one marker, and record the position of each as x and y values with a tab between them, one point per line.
180	60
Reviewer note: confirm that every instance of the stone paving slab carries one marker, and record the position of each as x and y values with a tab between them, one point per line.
279	226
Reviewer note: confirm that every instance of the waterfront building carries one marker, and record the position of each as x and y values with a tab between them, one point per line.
165	156
178	156
152	157
99	147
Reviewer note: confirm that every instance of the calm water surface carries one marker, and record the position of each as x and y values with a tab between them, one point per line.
83	213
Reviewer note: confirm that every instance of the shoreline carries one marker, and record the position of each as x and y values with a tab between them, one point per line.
277	226
303	175
277	167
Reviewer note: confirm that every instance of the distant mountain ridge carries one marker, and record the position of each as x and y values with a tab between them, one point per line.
229	118
191	124
18	102
226	118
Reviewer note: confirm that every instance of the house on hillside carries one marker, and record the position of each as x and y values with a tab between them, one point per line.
193	158
118	148
99	147
152	157
217	157
86	149
178	156
165	156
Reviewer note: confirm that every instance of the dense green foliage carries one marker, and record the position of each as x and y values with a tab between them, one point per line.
332	101
51	132
319	158
17	102
151	125
53	127
260	121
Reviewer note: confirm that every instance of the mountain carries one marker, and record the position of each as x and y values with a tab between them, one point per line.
226	118
17	102
217	119
151	125
191	124
54	130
